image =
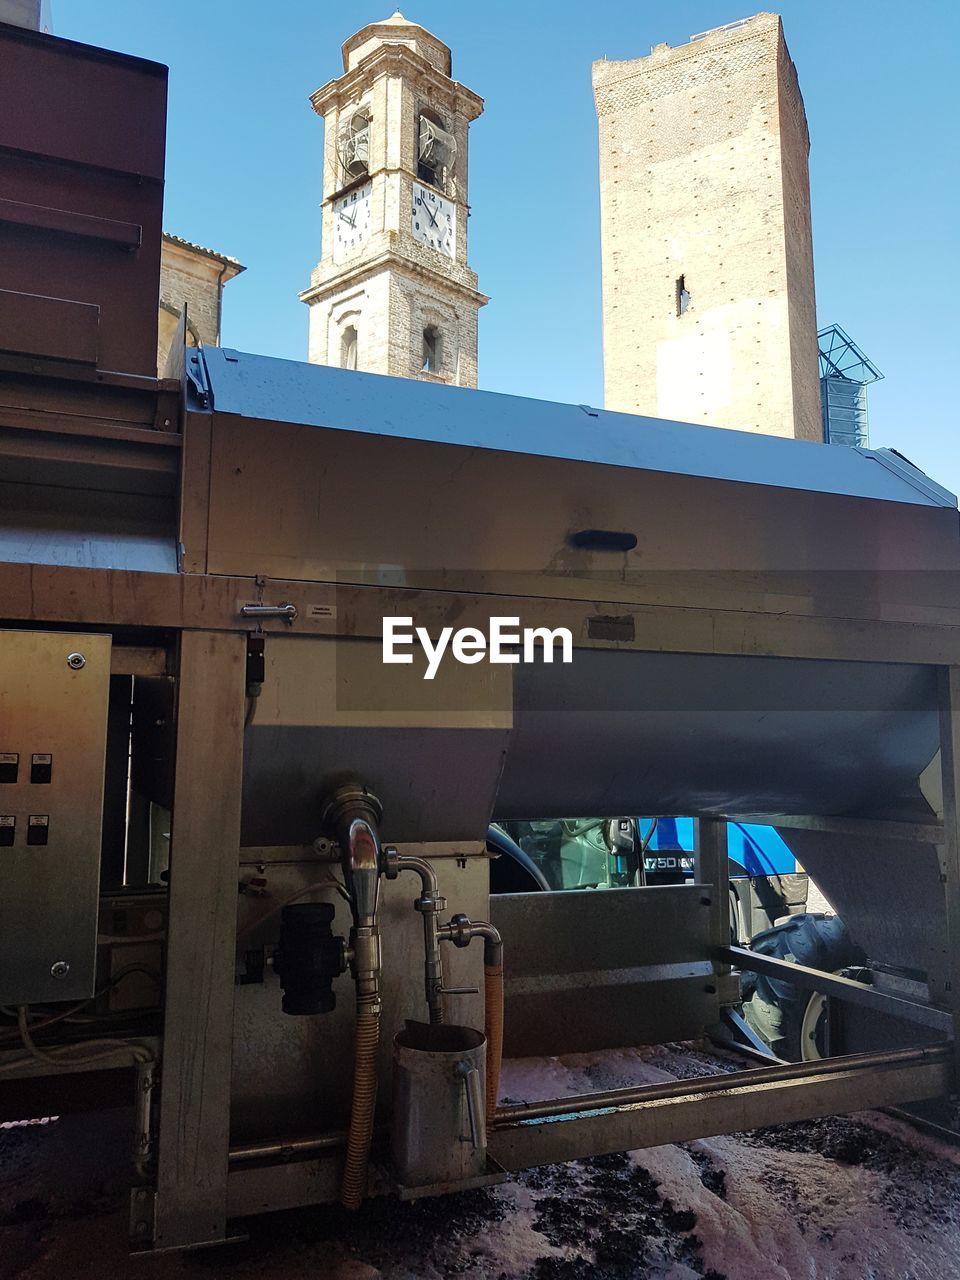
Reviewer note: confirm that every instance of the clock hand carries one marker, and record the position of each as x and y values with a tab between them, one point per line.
430	211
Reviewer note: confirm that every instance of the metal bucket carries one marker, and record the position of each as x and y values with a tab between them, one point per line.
439	1126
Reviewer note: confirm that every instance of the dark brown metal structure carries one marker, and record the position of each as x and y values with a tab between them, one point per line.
82	137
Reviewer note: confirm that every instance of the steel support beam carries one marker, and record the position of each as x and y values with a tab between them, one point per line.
832	984
194	1132
106	597
711	868
656	1115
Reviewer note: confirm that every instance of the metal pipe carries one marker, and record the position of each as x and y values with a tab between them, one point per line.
428	877
613	1098
353	814
461	931
430	904
292	1147
833	984
492	942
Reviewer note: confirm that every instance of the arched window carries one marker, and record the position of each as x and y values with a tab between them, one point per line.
348	348
432	350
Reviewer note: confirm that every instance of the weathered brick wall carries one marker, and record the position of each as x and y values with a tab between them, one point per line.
389	309
695	166
201	295
804	351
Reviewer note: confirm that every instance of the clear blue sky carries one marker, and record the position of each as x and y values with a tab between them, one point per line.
880	82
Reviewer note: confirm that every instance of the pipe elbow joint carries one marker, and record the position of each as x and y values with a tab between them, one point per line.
462	930
351	814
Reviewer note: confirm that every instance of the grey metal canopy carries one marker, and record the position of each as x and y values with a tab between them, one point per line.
314	395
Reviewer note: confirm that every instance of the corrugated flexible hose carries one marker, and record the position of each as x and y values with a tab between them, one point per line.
366	1043
493	1029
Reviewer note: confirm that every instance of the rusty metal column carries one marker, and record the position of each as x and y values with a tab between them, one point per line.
711	868
949	688
194	1130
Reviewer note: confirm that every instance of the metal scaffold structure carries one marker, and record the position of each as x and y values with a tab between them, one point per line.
845	374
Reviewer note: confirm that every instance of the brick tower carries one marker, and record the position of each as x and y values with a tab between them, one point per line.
708	298
393	292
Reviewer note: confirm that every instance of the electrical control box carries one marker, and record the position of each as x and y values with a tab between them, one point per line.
54	694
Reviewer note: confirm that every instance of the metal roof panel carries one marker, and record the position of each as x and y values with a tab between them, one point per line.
265	388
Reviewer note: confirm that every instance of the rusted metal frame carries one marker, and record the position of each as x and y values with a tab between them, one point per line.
949	691
194	1125
575	1128
859	993
122	598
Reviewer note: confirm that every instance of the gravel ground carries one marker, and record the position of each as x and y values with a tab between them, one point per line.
847	1198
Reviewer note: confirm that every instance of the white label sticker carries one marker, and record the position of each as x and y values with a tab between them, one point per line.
9	757
7	820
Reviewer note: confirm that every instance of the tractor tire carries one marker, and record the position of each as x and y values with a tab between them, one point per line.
784	1015
511	869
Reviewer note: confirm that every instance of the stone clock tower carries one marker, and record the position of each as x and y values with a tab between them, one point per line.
393	292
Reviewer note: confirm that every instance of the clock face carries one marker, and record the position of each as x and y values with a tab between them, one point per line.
434	220
351	214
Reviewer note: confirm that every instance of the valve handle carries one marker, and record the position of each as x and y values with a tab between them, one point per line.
471	1085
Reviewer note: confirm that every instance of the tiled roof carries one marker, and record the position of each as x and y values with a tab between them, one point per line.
199	248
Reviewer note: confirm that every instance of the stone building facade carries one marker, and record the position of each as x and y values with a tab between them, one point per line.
393	292
708	296
192	277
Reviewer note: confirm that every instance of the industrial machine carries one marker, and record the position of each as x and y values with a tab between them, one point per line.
244	876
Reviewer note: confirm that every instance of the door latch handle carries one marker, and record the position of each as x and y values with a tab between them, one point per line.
286	611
